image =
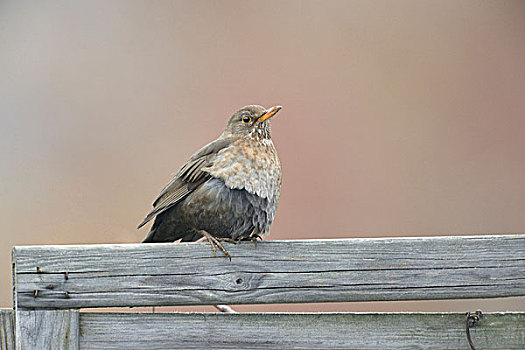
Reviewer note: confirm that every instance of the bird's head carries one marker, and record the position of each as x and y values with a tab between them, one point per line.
251	121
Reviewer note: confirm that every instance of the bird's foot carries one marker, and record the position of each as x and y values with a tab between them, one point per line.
224	239
215	242
254	239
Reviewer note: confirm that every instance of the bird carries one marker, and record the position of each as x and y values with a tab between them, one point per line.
228	191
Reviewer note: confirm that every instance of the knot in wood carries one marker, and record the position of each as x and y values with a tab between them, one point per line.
244	281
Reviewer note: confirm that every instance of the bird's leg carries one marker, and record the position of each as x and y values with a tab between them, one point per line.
215	242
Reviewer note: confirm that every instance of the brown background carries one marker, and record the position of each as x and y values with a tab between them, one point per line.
401	118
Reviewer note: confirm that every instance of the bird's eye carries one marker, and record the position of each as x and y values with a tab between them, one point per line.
246	119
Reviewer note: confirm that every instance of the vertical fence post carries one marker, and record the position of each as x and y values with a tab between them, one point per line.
7	329
47	329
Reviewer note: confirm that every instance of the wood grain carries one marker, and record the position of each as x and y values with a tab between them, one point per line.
7	329
273	272
47	330
52	330
298	331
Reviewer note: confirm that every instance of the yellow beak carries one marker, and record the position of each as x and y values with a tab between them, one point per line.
270	113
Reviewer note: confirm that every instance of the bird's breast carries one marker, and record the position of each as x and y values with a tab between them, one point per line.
252	165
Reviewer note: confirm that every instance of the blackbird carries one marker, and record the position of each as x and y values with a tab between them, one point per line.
226	192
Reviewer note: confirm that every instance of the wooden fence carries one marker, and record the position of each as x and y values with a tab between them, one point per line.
52	282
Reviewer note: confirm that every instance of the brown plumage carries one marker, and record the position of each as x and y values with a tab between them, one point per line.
227	191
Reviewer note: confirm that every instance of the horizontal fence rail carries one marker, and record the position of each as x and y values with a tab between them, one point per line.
97	331
293	331
272	272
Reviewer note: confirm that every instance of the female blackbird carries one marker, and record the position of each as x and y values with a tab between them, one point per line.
227	191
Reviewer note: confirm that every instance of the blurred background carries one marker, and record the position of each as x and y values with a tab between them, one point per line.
400	118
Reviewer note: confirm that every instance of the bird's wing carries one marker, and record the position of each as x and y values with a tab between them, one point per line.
189	177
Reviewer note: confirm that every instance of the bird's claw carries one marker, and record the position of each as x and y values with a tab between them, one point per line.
254	239
216	242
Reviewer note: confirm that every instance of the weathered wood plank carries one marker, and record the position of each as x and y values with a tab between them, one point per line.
298	331
7	329
272	272
47	329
